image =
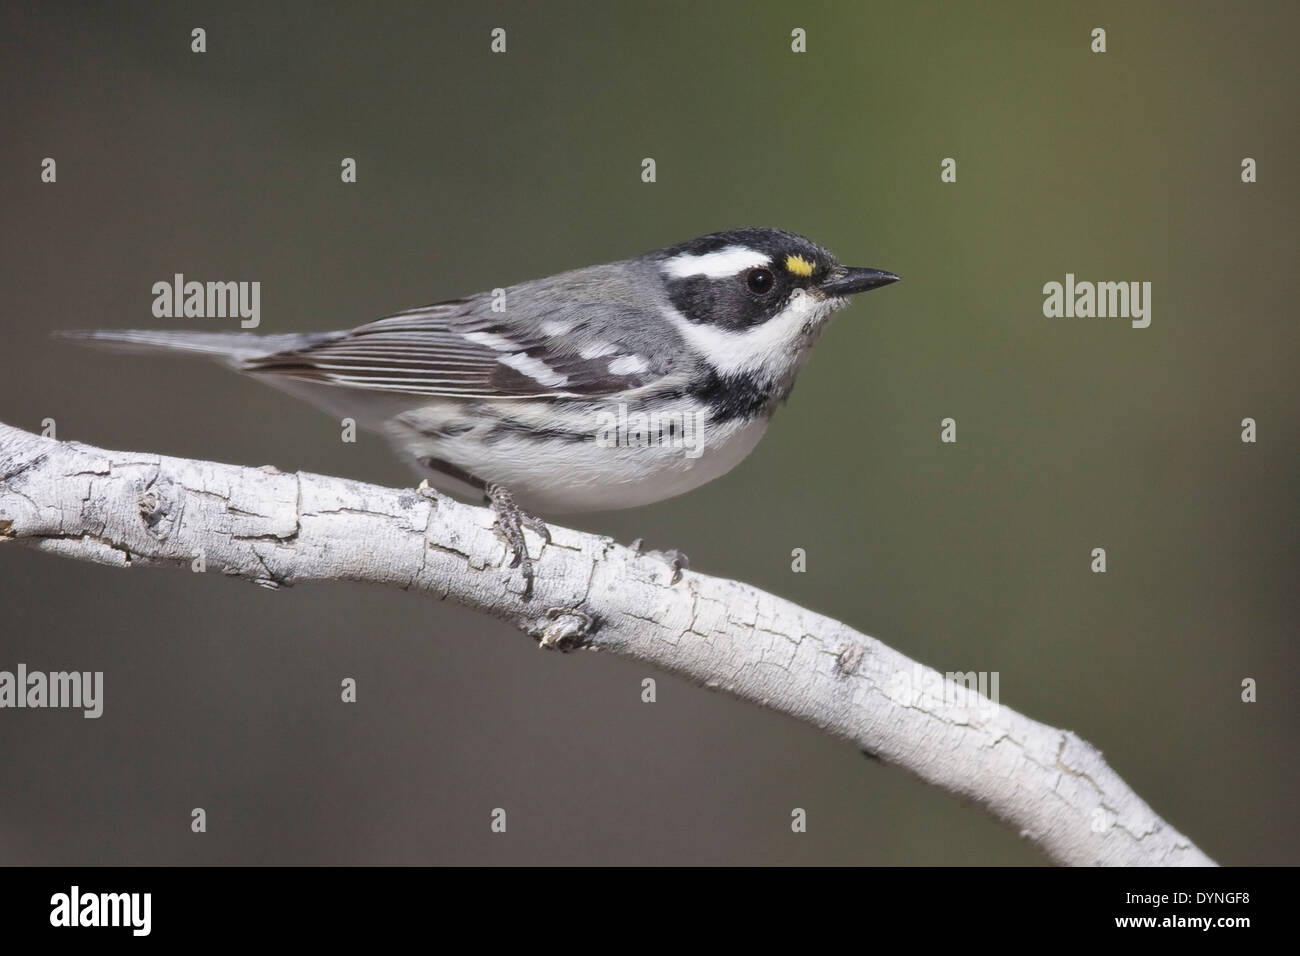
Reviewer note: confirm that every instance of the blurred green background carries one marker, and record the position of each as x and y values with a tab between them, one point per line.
477	170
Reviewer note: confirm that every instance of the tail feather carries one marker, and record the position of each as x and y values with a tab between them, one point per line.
232	348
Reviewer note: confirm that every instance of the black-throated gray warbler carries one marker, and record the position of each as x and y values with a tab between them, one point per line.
606	387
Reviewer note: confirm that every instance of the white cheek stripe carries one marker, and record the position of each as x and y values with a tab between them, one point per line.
767	347
715	265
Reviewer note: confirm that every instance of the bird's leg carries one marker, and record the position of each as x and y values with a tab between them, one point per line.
510	523
510	518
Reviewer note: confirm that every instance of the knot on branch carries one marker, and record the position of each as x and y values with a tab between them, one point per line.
563	629
157	505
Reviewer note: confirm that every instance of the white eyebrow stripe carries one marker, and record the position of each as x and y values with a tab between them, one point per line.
537	370
715	265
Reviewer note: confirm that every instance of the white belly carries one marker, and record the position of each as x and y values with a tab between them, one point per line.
623	466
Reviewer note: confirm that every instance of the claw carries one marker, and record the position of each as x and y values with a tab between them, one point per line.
535	525
510	522
676	561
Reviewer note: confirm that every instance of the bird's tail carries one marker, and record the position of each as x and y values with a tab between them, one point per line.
232	348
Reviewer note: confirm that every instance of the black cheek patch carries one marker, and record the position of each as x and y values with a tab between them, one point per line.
725	303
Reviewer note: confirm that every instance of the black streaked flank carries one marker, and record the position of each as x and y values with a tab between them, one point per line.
734	396
508	428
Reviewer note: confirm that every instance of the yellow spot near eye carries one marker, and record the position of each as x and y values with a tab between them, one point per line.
798	265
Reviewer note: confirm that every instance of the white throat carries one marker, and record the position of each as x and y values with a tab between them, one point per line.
773	350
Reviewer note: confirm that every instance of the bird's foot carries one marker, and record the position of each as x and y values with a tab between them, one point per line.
676	561
511	520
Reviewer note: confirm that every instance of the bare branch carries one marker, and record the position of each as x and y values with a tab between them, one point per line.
278	530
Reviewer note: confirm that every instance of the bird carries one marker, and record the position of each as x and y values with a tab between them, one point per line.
605	387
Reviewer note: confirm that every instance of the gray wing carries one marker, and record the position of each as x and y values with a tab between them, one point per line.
462	349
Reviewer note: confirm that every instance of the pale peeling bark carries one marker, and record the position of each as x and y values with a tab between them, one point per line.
276	529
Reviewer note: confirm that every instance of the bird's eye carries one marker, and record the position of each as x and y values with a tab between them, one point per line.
759	281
